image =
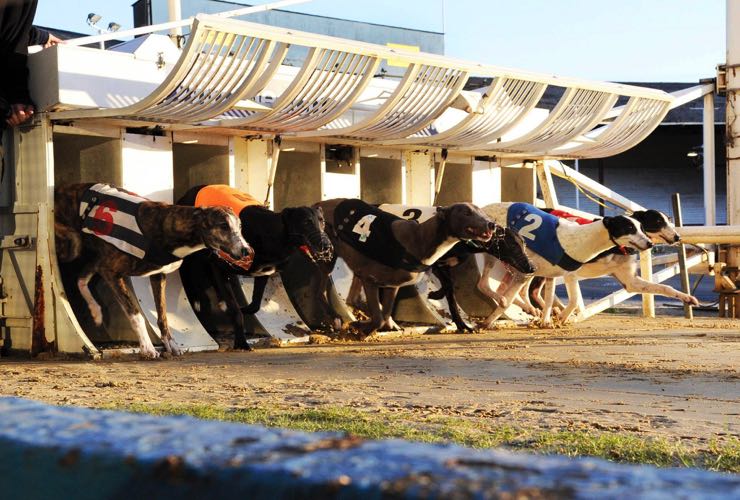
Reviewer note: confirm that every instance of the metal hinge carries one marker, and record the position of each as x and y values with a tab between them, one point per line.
16	242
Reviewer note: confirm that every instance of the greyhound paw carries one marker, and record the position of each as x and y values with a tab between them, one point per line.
174	348
390	326
689	300
243	346
148	352
364	327
464	328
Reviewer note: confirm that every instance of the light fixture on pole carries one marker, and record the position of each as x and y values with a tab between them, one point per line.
93	19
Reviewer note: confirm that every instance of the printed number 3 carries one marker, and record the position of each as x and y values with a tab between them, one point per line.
363	227
535	221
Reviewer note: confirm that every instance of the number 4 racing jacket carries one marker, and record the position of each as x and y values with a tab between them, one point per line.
367	229
111	214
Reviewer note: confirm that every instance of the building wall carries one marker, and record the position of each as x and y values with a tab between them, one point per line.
427	41
653	170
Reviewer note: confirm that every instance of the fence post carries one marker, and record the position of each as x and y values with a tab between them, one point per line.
688	312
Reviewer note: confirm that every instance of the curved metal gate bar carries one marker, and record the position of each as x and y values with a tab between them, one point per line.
638	119
327	85
577	111
504	104
227	63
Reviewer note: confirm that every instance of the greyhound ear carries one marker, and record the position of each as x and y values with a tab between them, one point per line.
607	222
442	213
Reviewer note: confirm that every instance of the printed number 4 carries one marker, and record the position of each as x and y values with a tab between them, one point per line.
535	221
363	227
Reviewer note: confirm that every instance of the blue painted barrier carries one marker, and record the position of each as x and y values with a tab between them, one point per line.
66	452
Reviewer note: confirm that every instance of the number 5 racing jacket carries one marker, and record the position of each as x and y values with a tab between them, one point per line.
367	229
111	214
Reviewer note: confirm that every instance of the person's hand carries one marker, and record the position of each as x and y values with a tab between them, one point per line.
19	113
53	40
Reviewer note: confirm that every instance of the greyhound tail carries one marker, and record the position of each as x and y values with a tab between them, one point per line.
68	242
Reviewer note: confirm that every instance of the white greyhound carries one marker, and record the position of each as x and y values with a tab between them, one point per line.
623	266
558	247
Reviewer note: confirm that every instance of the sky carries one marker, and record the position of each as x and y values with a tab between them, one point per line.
624	40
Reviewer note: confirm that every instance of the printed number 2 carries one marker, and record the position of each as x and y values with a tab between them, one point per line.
535	221
363	227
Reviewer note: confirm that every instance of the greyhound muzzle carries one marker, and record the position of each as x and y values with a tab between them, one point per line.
317	247
245	262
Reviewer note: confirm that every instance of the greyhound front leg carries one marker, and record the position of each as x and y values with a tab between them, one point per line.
549	291
389	300
258	293
634	284
373	305
82	283
484	285
128	301
448	288
574	296
158	283
354	296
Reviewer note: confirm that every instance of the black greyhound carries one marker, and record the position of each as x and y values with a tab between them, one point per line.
506	245
274	236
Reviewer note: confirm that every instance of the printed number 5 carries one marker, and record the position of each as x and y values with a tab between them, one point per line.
535	221
363	227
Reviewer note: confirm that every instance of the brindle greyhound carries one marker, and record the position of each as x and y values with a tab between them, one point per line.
506	245
275	236
386	252
92	218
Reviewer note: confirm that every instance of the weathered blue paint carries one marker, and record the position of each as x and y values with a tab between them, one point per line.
65	452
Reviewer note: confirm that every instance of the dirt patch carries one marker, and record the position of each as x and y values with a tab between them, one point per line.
670	378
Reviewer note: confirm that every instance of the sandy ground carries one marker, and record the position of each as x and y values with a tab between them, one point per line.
667	377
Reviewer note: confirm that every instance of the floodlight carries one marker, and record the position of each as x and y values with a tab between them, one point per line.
114	26
93	18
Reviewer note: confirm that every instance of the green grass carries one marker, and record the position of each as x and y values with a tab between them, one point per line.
477	433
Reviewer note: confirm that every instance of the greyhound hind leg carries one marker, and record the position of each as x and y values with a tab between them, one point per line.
388	301
83	281
127	299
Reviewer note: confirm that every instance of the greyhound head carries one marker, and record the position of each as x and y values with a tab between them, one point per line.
507	246
221	231
657	225
467	222
305	227
626	231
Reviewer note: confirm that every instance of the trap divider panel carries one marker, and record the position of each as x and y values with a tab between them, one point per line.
37	316
147	165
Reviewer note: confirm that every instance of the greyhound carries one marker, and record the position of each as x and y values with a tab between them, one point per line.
559	247
386	252
622	264
275	236
506	245
127	235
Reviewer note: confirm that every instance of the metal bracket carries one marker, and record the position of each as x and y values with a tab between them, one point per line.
16	242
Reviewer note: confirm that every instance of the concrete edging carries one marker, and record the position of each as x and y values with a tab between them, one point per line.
81	453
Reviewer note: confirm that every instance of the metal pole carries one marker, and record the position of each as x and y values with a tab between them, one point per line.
174	13
439	176
733	122
710	191
575	186
688	312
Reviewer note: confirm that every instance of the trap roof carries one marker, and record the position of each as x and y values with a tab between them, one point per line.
228	67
